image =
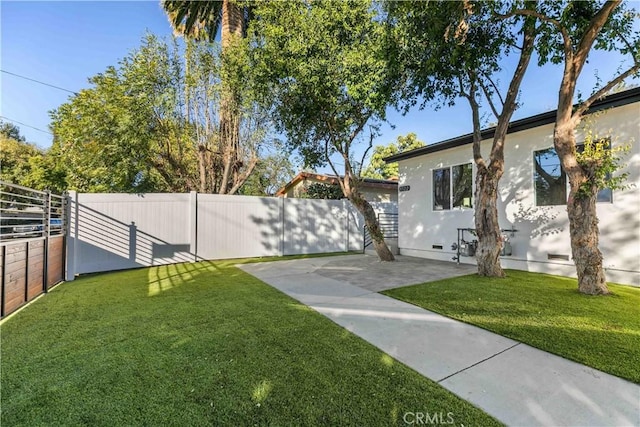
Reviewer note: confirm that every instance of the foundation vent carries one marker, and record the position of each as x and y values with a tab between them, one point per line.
436	247
558	257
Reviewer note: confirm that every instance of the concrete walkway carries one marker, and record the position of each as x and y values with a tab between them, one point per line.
517	384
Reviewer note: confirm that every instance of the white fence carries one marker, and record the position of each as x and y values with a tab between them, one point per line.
120	231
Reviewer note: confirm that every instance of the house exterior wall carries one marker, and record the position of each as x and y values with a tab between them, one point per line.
542	230
380	195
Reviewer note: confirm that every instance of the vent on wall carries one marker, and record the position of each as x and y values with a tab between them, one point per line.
558	257
436	247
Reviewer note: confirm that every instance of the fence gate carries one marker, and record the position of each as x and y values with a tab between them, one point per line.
32	244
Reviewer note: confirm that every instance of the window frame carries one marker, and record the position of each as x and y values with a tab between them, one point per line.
567	185
450	169
534	173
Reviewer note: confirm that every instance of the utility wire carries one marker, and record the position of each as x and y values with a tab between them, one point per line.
39	82
24	124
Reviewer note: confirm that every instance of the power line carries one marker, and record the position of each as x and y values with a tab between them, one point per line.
39	82
24	124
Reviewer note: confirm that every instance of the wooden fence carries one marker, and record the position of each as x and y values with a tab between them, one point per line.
32	244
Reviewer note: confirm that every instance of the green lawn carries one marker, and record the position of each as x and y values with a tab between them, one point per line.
199	344
546	312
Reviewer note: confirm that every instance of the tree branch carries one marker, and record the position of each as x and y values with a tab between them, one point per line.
495	87
245	175
566	38
604	90
364	155
595	25
489	100
475	113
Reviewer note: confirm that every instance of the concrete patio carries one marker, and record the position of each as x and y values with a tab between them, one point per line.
517	384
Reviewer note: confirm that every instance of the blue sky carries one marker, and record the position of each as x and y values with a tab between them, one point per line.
65	43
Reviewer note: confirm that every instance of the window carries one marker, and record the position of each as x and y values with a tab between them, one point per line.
452	186
441	190
462	185
551	181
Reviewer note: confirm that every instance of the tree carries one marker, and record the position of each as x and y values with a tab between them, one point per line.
9	130
320	190
378	168
322	68
15	156
134	131
201	20
447	50
272	172
570	31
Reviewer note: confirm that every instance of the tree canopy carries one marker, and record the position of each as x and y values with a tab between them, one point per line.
378	168
151	124
322	69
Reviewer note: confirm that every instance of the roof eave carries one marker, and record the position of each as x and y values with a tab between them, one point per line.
614	100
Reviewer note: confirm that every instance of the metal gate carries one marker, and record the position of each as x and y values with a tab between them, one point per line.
32	244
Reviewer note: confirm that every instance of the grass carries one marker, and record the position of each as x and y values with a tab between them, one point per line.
546	312
199	344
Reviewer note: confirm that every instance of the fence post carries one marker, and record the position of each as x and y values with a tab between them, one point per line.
2	279
193	224
72	235
47	218
64	233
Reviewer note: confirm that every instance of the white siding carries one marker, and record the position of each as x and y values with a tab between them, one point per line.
541	230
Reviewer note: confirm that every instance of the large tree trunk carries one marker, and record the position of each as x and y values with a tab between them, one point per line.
232	28
349	186
486	221
370	220
583	219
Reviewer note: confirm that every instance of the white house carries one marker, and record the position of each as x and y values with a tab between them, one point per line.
436	195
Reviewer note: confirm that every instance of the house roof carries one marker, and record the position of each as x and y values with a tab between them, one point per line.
384	184
615	100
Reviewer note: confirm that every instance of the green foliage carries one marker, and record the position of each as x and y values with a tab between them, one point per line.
199	344
127	133
545	312
378	168
322	68
16	158
620	32
272	172
152	124
199	20
9	130
440	48
25	164
601	161
319	190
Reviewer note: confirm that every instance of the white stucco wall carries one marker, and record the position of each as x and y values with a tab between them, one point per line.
541	230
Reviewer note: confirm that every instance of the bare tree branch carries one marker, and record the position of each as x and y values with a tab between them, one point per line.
604	90
489	99
495	87
366	152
